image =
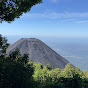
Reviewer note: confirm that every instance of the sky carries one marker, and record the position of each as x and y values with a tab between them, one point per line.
51	18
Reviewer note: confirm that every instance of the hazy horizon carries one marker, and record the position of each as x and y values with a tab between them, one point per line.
73	49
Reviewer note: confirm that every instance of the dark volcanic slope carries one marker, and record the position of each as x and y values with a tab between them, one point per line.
39	52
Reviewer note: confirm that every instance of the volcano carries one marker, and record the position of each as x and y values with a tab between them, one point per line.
39	52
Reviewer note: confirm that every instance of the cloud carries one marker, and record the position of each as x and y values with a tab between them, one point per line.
61	17
54	15
54	1
81	21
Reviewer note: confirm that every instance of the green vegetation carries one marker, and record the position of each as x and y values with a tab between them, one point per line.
11	9
69	77
17	72
3	45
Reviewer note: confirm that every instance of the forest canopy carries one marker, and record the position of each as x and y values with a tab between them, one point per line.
16	71
11	9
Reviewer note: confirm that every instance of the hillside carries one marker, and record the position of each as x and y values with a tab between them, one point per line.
39	52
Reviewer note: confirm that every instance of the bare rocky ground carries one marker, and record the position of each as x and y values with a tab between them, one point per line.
39	52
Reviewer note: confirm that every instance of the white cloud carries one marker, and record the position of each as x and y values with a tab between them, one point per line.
54	15
81	21
54	1
61	17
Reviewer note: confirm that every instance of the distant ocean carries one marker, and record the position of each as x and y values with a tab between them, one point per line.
75	50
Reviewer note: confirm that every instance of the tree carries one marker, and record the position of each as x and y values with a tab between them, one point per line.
49	67
68	71
11	9
78	71
15	72
3	45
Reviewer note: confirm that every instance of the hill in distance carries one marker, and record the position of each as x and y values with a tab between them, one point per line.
39	52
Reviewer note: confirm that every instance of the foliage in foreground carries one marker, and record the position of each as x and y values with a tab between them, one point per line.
11	9
17	72
69	77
